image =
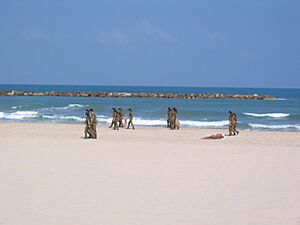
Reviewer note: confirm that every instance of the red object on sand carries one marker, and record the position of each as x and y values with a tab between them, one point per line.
215	137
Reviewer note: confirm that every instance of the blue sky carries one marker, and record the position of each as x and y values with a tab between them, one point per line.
216	43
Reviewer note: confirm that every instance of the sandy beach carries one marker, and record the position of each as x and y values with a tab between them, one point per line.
149	176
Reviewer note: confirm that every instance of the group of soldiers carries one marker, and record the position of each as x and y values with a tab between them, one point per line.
119	119
172	121
90	124
232	124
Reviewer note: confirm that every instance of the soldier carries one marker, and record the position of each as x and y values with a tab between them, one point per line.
172	119
175	120
230	118
234	124
113	116
130	116
168	116
87	130
121	115
116	119
93	124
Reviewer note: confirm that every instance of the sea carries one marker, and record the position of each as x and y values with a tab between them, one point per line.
282	114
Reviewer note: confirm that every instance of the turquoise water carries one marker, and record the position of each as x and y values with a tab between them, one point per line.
282	114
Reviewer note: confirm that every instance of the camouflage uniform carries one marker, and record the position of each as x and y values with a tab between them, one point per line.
121	115
169	117
175	120
116	119
113	116
172	119
234	124
231	121
93	125
130	116
87	130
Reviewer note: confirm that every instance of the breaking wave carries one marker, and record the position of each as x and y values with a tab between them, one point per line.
75	105
284	126
193	123
163	122
272	115
70	106
19	115
64	118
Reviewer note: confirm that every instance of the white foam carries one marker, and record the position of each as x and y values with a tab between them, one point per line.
18	115
62	118
136	121
284	126
272	115
193	123
163	122
148	122
75	105
73	118
70	106
104	119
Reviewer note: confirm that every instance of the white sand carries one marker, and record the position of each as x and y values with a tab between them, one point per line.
50	176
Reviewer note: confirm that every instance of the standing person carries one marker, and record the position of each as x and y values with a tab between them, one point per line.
130	116
124	120
93	124
234	124
172	119
116	119
87	130
113	116
177	123
168	116
230	118
121	115
175	119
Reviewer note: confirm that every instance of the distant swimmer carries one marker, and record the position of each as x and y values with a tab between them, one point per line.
88	126
130	117
93	124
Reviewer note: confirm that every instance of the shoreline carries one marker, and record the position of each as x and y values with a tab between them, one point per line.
190	132
160	127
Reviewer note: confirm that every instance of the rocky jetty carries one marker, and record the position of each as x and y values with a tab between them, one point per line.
134	95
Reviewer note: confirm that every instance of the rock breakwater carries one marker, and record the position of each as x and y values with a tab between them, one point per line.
135	95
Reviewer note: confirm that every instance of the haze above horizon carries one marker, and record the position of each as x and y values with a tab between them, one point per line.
250	43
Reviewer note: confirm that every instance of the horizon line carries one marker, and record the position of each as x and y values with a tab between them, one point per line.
165	86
